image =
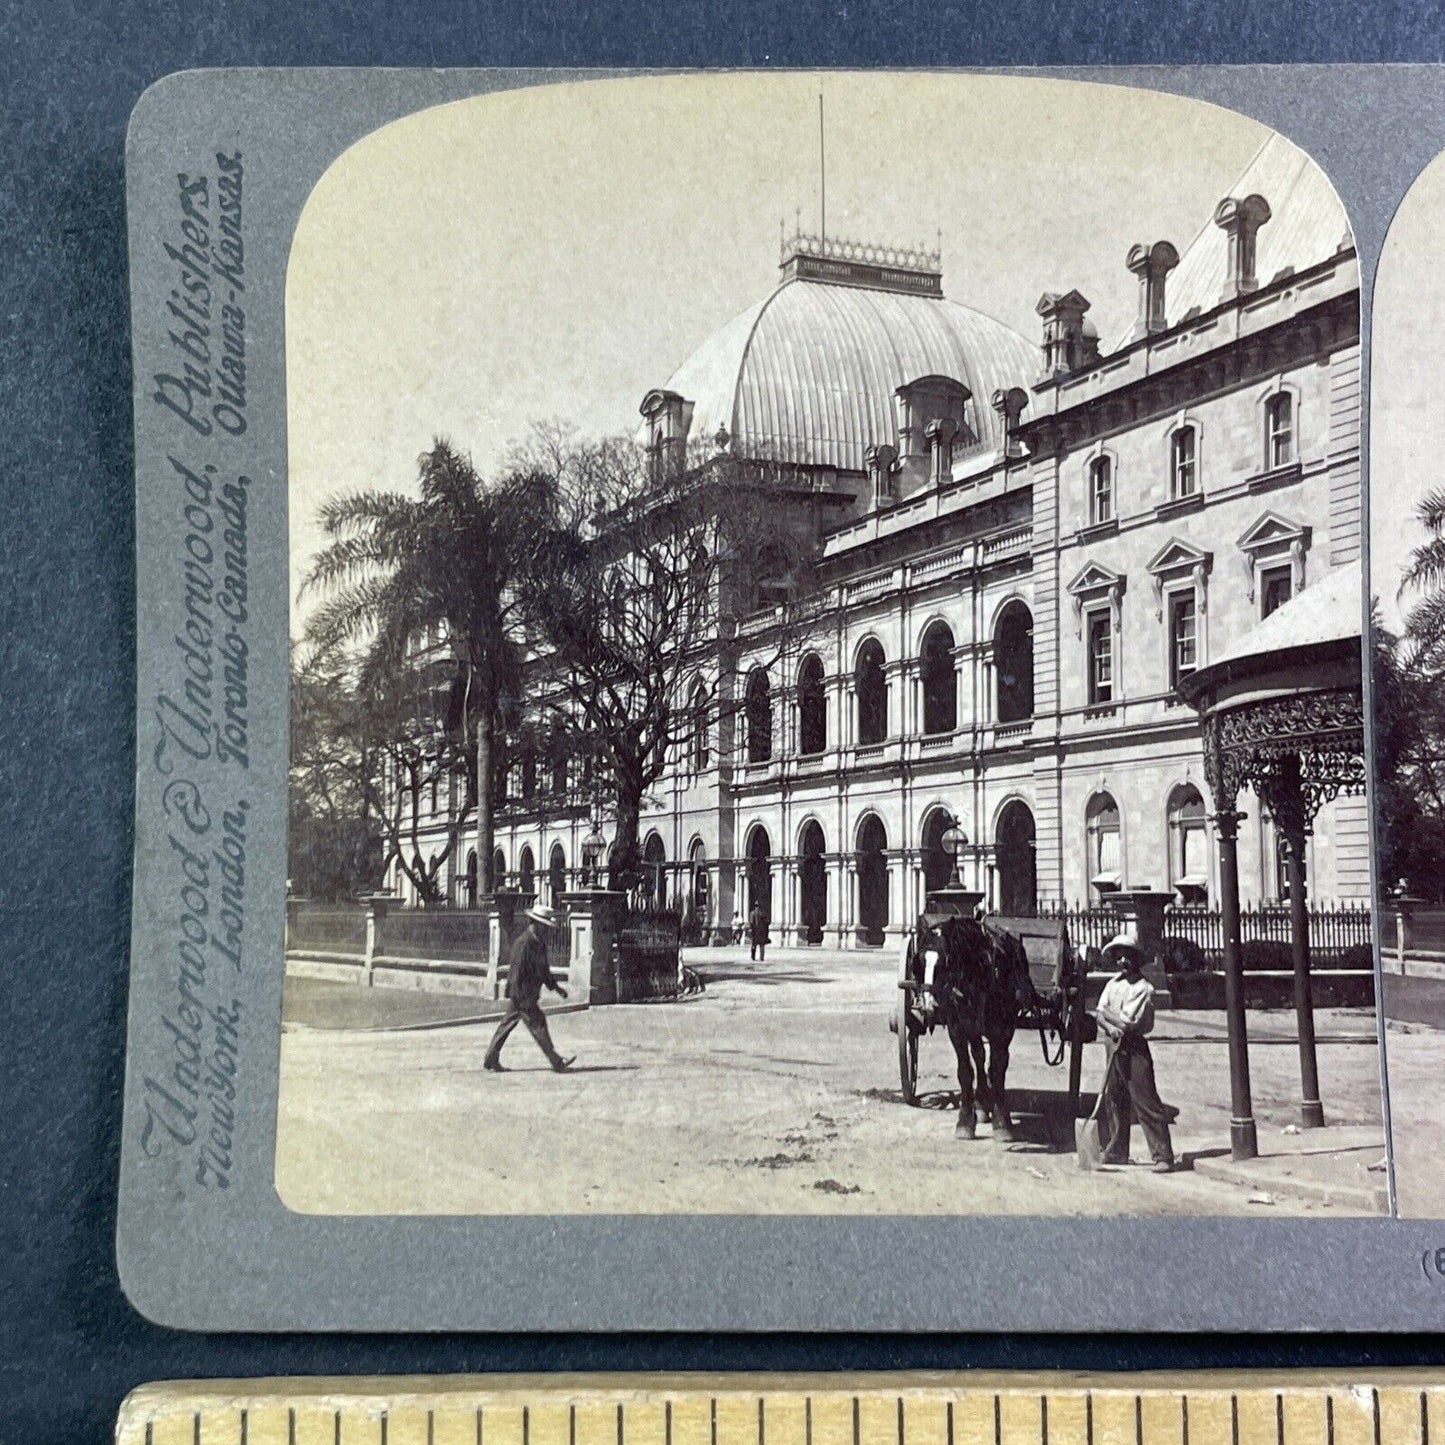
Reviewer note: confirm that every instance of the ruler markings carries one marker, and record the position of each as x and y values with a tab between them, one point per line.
1275	1411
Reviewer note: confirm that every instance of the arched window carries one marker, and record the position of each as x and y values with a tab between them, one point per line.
937	862
1188	845
758	716
760	872
872	880
471	883
654	871
1183	463
940	683
557	874
1013	660
527	872
1013	851
529	775
559	774
812	707
697	723
871	686
1279	429
772	577
1105	845
701	890
499	870
813	881
1101	490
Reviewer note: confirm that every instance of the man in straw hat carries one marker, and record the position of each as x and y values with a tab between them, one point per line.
528	973
1126	1015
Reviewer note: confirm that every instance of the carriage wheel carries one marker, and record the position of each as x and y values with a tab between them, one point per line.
907	1052
907	1039
1074	1002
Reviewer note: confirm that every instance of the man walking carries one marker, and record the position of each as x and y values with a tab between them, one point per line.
528	973
758	933
1126	1015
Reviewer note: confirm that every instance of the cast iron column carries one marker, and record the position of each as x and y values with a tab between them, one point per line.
1311	1110
1286	801
1243	1143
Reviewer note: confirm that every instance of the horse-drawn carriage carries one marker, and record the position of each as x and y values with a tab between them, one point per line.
984	980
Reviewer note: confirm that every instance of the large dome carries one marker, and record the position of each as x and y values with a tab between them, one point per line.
809	374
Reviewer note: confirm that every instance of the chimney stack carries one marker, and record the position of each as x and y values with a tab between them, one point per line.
940	433
1069	342
1152	264
879	461
1009	405
1240	221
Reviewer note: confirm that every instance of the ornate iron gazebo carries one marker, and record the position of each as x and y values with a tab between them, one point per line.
1283	715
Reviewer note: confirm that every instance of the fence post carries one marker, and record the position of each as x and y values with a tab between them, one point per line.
293	907
376	906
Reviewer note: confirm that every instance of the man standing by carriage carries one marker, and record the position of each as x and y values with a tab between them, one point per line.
1126	1016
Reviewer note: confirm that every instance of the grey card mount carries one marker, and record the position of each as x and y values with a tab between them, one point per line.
725	657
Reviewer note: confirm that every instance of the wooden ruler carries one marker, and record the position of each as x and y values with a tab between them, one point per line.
1405	1407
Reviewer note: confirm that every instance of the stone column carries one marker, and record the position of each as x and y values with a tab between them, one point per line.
293	908
594	918
503	908
1143	909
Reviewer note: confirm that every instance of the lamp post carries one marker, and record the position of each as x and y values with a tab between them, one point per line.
593	846
955	898
953	842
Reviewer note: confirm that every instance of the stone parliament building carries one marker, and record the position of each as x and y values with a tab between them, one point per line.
1022	547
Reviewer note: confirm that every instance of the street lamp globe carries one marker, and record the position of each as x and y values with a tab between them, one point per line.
953	842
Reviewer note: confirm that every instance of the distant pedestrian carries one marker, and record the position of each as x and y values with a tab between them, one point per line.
758	933
1126	1015
528	973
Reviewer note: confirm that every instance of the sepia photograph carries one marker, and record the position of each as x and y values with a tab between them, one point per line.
826	661
1407	584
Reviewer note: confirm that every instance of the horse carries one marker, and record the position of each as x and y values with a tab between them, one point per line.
976	982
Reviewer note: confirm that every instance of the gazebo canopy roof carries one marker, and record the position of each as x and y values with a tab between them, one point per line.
1314	639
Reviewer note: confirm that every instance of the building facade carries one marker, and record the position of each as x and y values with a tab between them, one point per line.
1020	548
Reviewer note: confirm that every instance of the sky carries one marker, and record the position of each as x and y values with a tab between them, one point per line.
556	252
1407	423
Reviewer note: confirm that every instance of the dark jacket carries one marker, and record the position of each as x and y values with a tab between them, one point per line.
528	971
758	926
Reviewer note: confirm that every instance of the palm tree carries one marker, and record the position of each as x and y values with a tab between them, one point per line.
396	567
1425	621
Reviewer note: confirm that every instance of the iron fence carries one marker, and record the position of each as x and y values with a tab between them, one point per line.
1340	935
647	955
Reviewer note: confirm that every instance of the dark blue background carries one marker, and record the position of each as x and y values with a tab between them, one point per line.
70	1345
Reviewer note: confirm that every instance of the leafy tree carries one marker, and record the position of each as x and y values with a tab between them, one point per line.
638	601
332	837
446	564
373	773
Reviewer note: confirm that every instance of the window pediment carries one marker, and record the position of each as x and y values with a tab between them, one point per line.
1275	538
1094	579
1179	561
1177	556
1097	583
1273	532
